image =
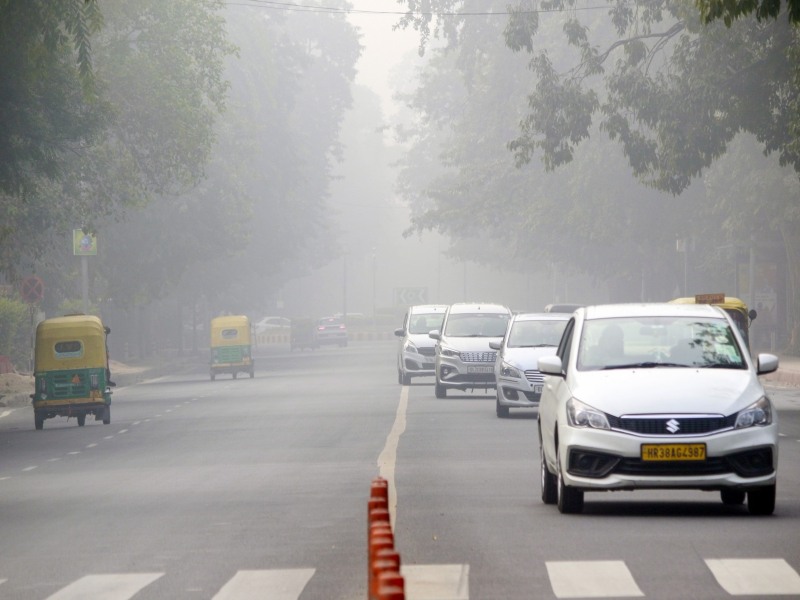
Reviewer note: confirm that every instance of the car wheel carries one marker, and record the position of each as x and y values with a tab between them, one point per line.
234	375
107	416
406	380
213	376
761	501
81	420
38	420
732	497
549	481
570	500
440	390
252	373
502	411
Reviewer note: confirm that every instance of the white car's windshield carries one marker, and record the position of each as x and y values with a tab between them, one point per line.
535	334
477	325
658	342
425	323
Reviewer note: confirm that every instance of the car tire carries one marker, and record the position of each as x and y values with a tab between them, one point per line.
761	501
549	481
732	497
501	411
81	420
570	500
440	390
38	420
234	375
107	416
406	379
252	373
213	376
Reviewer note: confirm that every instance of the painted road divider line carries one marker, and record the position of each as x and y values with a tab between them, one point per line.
755	576
276	584
388	456
436	582
29	468
106	587
592	579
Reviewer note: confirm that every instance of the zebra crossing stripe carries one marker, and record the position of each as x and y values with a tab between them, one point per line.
755	576
592	579
275	584
436	582
121	586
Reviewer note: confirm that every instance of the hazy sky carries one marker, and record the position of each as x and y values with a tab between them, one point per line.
383	48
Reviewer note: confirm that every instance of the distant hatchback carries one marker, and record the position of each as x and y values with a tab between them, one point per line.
516	370
331	330
416	351
464	359
656	396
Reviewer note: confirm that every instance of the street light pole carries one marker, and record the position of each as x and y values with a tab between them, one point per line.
374	287
85	284
344	289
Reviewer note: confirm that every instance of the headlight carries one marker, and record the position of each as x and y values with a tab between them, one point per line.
758	413
506	370
445	351
409	347
582	415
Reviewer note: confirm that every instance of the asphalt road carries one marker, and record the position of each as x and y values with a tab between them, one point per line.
243	488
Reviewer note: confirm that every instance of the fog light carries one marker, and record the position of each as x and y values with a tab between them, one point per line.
510	393
591	464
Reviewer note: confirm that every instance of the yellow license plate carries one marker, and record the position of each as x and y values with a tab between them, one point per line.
673	451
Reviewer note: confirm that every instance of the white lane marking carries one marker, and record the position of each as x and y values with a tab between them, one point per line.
755	576
388	456
158	415
122	431
52	459
5	413
73	452
136	422
91	445
193	399
108	437
592	579
3	580
168	410
29	468
147	420
2	479
436	582
178	406
120	586
278	584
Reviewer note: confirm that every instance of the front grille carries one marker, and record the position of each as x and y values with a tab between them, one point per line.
64	385
470	378
479	357
229	354
534	376
427	351
662	425
532	397
637	466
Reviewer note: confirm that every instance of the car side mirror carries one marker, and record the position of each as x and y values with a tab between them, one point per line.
400	332
551	365
766	363
107	329
495	345
752	314
435	335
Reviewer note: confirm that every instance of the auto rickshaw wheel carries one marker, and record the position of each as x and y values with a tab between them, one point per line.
81	420
234	375
213	376
252	373
38	420
107	416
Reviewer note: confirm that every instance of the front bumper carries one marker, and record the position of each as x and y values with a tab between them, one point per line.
723	450
451	372
519	393
418	365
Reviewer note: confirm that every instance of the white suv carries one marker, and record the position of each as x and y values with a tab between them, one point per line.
658	396
415	354
464	359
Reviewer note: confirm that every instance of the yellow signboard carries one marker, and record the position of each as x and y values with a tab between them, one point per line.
709	299
83	244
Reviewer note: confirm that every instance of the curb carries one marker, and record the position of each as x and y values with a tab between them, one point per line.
785	377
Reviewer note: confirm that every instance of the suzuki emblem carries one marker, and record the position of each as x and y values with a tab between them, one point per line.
673	426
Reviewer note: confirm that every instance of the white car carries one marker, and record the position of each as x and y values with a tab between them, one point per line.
656	396
516	370
416	351
270	323
464	359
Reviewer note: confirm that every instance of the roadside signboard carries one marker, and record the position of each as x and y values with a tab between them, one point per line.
410	296
709	299
32	289
83	244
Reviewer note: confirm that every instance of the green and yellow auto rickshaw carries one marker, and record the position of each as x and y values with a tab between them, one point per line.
71	370
230	347
736	309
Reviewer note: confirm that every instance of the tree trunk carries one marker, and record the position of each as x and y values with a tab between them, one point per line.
791	239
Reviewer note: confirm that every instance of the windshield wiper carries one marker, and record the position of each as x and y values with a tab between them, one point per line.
645	365
721	366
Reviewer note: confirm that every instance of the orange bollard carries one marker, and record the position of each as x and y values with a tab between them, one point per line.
391	579
376	544
380	565
379	488
377	502
391	593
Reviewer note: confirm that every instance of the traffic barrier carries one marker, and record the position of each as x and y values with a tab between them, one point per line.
360	336
383	561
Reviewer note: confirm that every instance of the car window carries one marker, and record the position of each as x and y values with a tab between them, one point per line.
658	342
229	334
331	321
425	323
565	346
72	349
477	325
535	334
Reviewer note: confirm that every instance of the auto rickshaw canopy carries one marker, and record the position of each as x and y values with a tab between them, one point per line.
230	331
73	342
734	307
